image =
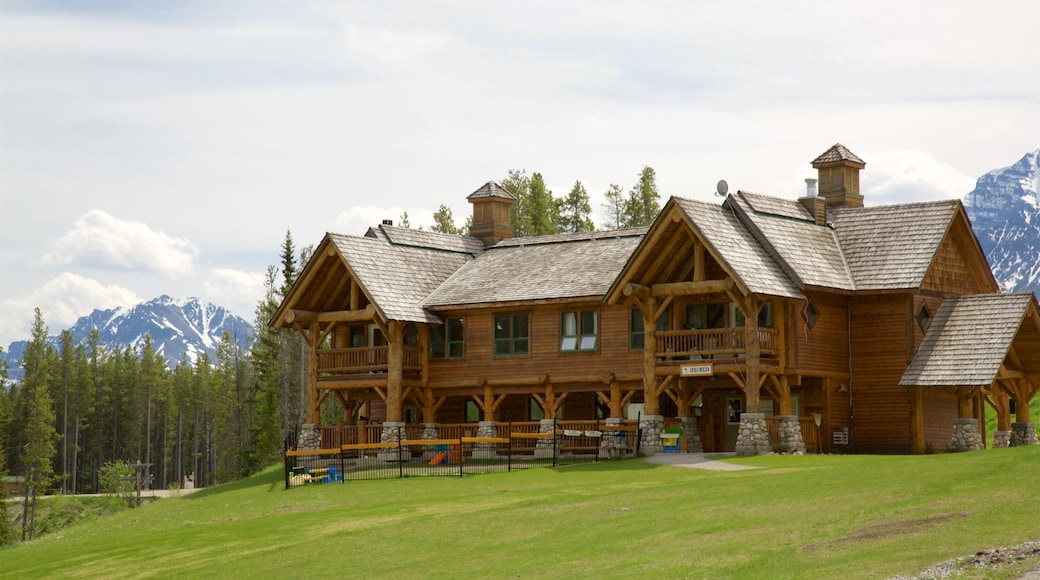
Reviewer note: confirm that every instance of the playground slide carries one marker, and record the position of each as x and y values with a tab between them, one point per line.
438	459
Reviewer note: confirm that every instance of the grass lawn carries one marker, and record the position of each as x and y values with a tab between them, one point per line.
797	517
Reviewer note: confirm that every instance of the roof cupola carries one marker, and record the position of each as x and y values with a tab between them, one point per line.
491	213
838	172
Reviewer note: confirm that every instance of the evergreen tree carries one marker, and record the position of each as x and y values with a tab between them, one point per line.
7	530
575	210
404	222
444	222
642	206
541	208
518	184
38	455
288	263
615	206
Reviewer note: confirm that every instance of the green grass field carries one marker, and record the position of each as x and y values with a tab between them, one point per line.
796	517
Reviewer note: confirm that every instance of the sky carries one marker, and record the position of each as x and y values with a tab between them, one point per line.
151	148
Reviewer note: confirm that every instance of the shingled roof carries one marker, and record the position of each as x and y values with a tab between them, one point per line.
837	153
892	246
540	268
399	277
490	189
749	262
967	341
810	251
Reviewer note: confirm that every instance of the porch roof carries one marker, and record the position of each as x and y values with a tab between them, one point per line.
968	340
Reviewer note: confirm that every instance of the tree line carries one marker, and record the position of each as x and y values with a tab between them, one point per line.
537	212
83	406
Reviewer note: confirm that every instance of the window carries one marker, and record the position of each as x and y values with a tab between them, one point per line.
411	335
578	330
448	339
924	316
638	334
512	334
765	315
811	314
703	316
734	407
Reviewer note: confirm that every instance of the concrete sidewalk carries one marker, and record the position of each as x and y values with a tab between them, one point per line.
696	461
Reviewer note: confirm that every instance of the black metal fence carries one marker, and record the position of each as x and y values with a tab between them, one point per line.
399	457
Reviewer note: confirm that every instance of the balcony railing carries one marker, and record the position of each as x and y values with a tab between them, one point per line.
345	361
684	344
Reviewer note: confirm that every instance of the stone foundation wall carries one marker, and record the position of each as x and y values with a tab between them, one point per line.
966	436
652	426
1023	434
486	450
393	431
753	436
791	435
543	448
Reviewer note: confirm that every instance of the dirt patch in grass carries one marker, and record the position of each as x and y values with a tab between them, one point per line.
887	529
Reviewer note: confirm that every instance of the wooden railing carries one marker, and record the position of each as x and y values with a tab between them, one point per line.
335	436
683	344
344	361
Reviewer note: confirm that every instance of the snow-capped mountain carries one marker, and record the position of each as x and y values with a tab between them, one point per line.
1005	213
178	327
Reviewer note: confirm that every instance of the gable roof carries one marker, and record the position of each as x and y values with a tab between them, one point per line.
397	277
892	246
967	340
749	263
400	236
490	189
811	252
539	268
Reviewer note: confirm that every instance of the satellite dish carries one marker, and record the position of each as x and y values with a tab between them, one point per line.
722	188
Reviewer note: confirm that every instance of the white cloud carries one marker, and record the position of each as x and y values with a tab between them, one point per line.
100	240
910	175
235	290
62	301
356	220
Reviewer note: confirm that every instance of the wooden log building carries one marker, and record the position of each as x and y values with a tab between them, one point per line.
864	329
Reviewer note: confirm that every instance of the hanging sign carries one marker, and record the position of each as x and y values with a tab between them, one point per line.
700	370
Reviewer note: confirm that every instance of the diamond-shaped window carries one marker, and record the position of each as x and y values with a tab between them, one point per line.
810	314
924	316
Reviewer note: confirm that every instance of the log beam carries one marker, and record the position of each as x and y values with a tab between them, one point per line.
309	316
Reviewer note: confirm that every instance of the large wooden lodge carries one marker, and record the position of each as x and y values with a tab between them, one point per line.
841	327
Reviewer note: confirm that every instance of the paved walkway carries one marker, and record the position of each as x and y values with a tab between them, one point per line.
696	461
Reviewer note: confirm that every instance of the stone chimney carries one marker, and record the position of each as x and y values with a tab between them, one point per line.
838	172
491	213
816	205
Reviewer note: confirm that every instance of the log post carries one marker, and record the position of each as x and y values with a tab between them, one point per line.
395	371
313	406
651	404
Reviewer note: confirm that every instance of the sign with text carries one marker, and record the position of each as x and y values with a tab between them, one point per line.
701	370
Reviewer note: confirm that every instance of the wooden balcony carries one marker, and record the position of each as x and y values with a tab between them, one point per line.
368	359
717	342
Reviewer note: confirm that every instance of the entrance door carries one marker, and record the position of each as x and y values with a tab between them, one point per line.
734	408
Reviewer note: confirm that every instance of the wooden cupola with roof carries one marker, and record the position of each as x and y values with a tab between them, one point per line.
492	206
838	170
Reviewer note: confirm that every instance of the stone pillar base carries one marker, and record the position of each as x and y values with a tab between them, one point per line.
393	431
1023	434
791	440
429	432
544	448
1001	439
753	436
966	436
692	434
310	436
652	426
613	444
486	450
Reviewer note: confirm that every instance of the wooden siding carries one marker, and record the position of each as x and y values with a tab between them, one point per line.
824	348
612	354
955	268
940	409
880	342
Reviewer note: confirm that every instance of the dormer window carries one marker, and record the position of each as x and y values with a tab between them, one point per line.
924	317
